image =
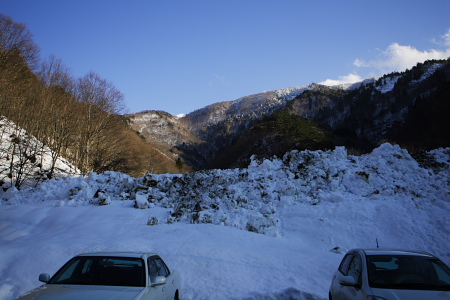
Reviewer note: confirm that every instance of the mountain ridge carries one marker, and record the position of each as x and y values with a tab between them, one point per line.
359	115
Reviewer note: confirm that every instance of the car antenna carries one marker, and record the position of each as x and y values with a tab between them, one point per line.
376	239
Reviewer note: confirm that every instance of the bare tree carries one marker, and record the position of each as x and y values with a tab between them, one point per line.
99	102
16	38
58	107
53	73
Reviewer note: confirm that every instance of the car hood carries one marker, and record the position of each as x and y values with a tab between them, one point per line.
411	294
85	292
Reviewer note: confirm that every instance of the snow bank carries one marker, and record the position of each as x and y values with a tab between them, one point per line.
250	198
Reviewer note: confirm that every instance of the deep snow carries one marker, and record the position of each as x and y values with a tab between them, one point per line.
276	230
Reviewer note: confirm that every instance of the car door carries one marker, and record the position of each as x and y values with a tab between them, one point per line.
335	289
354	270
157	267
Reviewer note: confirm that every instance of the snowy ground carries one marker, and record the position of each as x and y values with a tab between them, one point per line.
276	230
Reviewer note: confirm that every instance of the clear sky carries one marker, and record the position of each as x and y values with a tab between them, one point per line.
181	55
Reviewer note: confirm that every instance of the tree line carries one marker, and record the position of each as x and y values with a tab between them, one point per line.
79	119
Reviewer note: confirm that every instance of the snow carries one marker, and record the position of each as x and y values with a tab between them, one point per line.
388	84
290	93
15	144
430	70
356	85
275	230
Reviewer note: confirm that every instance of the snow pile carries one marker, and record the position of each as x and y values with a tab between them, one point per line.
275	230
251	198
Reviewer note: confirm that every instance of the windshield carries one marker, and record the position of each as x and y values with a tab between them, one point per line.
407	272
98	270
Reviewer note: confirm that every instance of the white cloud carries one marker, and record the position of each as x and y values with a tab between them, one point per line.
395	58
399	57
350	78
360	63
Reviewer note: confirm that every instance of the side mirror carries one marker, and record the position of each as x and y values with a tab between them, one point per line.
348	281
44	277
159	280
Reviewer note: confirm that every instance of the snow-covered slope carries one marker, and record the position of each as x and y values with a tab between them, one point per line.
220	124
251	106
276	230
24	160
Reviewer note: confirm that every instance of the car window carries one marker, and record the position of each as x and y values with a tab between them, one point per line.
70	269
407	272
345	263
86	264
354	269
157	267
99	270
385	262
442	271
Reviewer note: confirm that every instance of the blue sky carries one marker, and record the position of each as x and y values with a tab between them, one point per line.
179	56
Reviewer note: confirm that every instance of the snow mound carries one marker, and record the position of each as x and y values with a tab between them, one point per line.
251	198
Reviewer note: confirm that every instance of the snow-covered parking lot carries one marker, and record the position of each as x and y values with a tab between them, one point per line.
276	230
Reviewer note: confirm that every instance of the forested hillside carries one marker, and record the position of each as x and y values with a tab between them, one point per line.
410	108
79	119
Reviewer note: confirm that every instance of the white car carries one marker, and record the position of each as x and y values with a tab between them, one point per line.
390	275
110	275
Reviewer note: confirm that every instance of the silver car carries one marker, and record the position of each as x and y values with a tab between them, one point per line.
390	275
107	276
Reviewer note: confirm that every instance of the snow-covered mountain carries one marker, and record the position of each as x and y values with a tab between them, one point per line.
275	230
386	108
202	133
394	107
164	132
247	107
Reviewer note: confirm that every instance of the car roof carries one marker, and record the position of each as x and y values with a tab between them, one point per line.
119	254
380	251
